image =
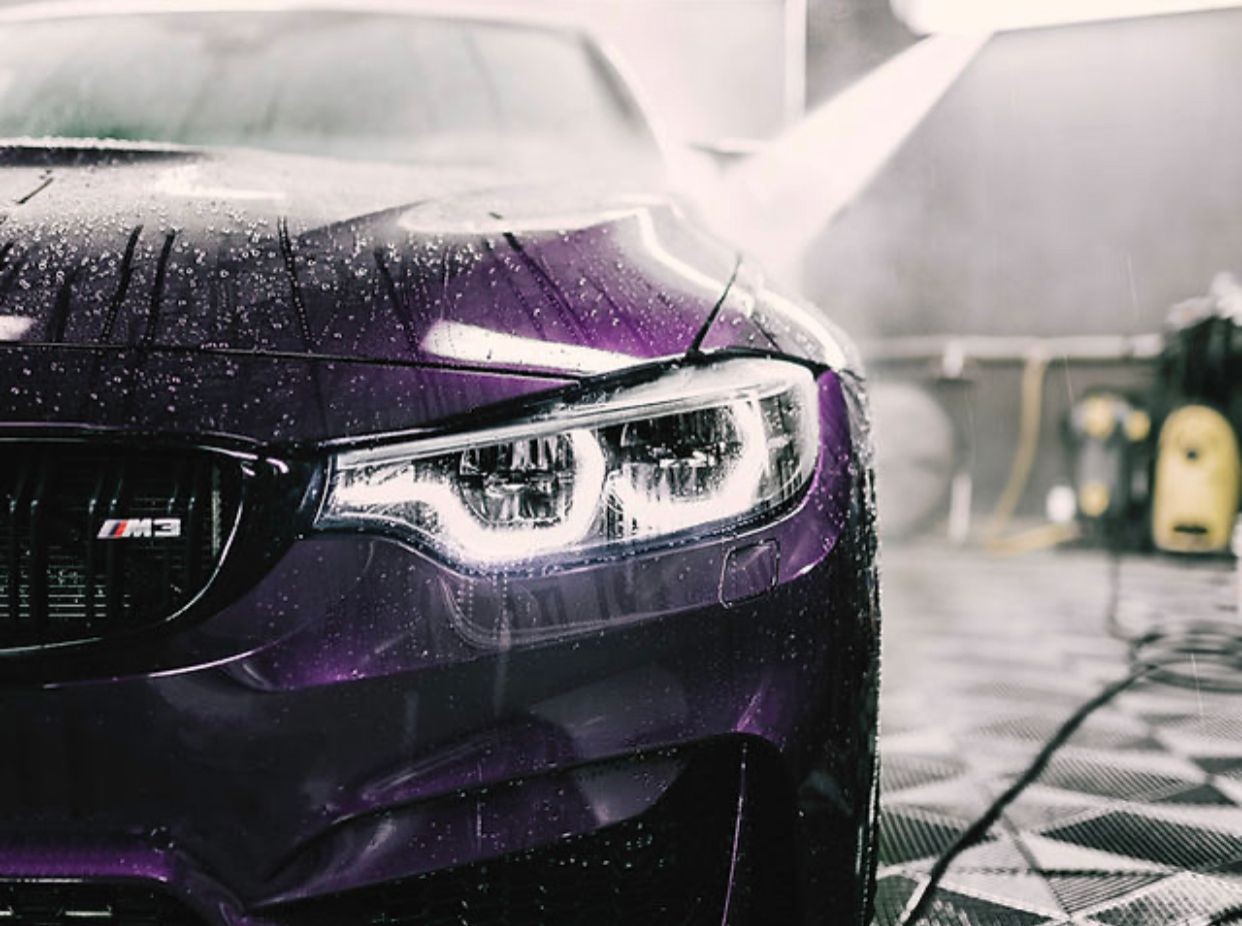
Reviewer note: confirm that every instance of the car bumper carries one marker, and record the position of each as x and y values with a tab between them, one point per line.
352	736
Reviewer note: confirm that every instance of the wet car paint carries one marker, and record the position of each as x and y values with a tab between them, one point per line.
463	279
352	717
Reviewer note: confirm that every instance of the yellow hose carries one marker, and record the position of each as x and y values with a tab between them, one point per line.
1033	374
1043	537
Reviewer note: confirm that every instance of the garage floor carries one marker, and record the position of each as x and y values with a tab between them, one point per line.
1139	819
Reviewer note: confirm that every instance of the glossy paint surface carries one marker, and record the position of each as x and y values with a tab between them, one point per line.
352	720
364	712
166	250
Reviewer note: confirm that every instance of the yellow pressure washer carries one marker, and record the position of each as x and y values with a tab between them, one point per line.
1198	482
1108	435
1198	468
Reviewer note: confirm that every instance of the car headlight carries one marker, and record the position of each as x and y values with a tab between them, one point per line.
697	450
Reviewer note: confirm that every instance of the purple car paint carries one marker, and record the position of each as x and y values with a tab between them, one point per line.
287	724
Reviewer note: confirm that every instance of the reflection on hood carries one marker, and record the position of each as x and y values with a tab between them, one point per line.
165	248
290	298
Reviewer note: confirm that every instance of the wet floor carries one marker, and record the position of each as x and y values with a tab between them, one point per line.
1136	822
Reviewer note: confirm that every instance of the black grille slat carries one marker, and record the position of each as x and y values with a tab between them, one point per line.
193	521
21	478
171	507
61	581
113	584
90	560
37	518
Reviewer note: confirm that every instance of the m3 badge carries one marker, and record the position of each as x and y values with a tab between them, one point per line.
134	528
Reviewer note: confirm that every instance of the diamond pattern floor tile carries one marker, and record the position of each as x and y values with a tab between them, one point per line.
1136	822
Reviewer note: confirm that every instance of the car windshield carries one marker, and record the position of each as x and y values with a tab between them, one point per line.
342	84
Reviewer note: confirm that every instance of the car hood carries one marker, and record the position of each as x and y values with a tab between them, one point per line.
167	274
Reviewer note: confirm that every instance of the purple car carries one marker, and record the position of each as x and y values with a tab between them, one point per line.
408	515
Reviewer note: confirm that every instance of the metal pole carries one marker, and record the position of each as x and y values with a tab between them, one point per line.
795	60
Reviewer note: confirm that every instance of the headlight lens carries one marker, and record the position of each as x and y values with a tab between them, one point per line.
698	450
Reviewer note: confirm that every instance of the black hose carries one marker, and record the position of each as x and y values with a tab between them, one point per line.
921	902
1212	650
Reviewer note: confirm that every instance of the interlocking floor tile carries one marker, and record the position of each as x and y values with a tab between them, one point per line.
1136	822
